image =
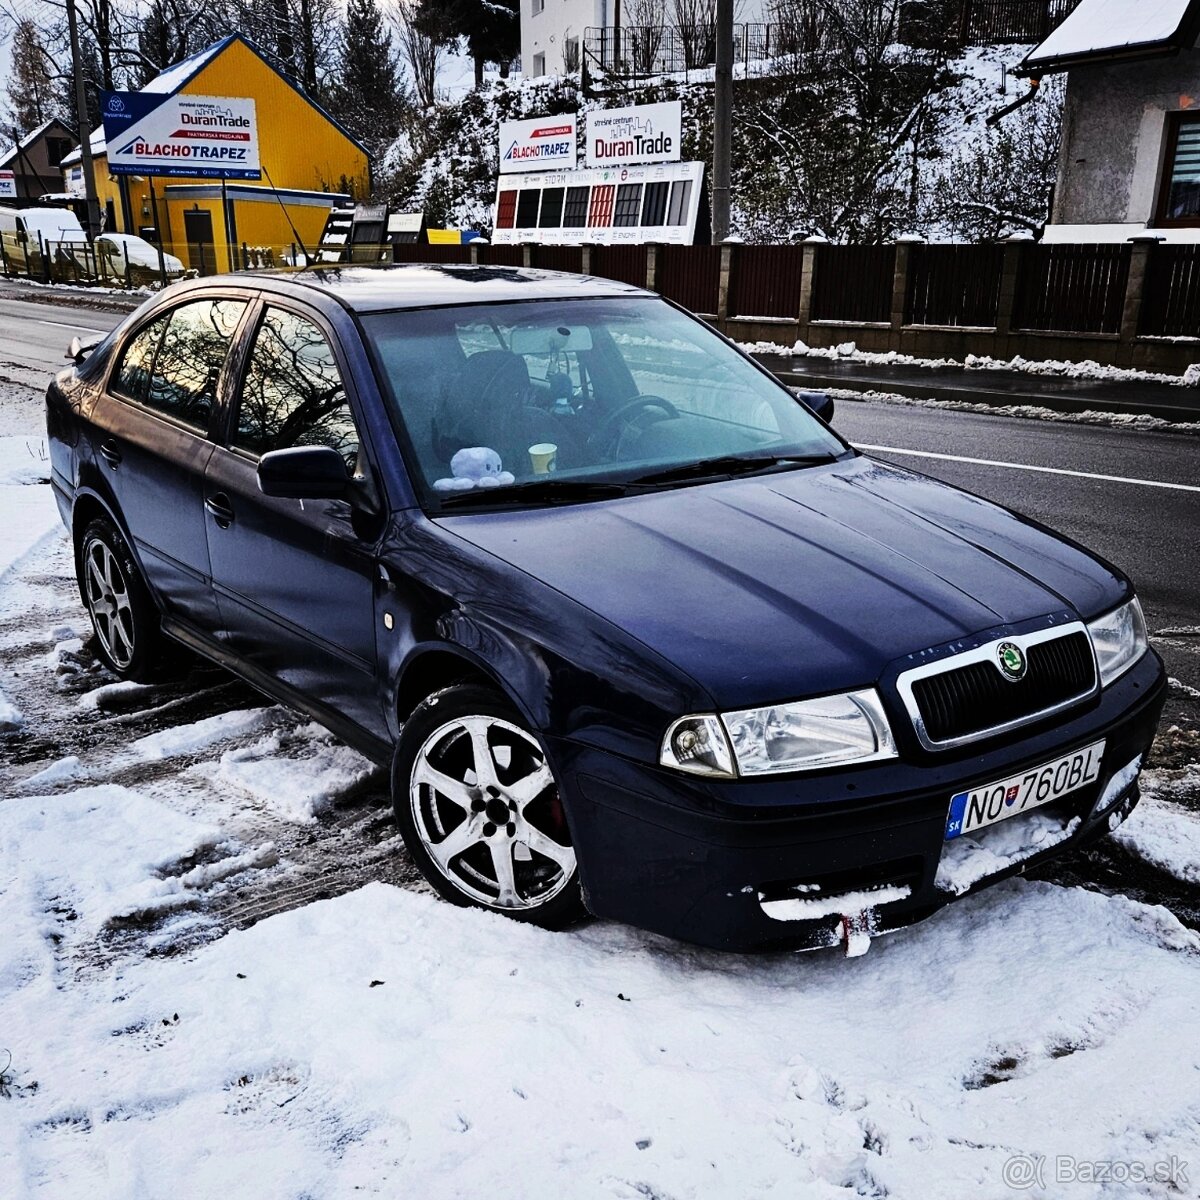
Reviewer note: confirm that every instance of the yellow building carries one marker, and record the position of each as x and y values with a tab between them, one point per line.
310	164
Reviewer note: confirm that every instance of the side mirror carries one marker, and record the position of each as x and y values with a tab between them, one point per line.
820	402
303	473
80	348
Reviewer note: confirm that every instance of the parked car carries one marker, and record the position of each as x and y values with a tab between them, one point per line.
635	629
125	255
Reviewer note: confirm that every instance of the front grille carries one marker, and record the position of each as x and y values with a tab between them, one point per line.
974	698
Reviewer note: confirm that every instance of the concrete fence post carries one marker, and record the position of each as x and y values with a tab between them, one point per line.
1010	272
723	283
473	251
652	267
904	253
1135	290
527	254
808	274
585	259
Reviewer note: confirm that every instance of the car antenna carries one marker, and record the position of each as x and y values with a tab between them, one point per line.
287	217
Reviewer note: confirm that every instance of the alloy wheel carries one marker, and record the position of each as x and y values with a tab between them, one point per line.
487	811
108	602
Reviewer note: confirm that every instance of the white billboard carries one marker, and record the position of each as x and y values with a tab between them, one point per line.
8	185
609	206
192	136
644	133
544	143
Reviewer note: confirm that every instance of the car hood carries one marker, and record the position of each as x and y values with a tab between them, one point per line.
801	582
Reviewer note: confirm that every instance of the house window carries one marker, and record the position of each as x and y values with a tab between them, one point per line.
539	65
1179	202
57	149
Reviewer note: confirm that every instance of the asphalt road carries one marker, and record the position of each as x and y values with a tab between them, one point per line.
37	335
1133	497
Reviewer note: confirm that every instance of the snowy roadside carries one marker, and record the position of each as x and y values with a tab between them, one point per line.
1050	367
218	966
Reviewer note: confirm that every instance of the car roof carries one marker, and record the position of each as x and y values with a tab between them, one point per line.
422	285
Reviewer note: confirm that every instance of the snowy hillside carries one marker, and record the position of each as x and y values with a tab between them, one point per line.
947	176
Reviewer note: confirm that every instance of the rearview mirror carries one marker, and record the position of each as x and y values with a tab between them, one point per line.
303	473
821	403
549	339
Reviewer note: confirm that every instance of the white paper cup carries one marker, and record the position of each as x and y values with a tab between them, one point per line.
542	457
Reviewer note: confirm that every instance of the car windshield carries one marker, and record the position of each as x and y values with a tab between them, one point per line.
569	400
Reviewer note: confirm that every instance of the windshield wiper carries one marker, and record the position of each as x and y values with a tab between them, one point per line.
538	491
733	464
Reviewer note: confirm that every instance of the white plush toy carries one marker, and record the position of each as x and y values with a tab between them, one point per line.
475	466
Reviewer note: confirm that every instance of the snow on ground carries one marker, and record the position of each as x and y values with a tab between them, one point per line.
1167	836
220	977
29	513
1063	368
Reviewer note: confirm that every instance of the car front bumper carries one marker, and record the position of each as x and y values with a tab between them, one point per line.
696	859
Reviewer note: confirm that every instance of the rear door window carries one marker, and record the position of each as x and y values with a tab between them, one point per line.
195	345
293	394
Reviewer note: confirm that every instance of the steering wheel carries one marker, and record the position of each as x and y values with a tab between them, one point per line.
619	416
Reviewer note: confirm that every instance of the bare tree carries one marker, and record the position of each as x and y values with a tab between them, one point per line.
695	21
645	21
421	54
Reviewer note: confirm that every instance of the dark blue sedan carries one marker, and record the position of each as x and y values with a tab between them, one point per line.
638	633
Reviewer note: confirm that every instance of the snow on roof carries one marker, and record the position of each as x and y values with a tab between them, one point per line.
98	147
173	78
1103	27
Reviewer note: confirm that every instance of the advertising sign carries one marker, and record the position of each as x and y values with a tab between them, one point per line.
194	136
8	185
545	143
645	133
608	206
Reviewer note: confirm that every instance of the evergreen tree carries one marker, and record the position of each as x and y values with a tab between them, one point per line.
492	29
32	93
368	97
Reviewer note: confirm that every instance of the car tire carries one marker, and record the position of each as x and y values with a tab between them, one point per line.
495	838
129	639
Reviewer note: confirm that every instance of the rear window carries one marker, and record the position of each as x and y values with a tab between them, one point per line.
173	364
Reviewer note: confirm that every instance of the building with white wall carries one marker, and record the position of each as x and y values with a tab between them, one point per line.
552	31
1130	159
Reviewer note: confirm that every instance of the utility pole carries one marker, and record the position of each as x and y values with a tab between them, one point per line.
722	121
85	131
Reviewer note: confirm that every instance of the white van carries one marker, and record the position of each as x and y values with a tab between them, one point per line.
31	234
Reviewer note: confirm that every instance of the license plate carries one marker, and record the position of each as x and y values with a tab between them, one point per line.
1006	798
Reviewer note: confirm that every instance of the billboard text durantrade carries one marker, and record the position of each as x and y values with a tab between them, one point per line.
176	135
644	133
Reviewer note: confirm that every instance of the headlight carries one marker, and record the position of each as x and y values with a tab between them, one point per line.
806	735
1119	640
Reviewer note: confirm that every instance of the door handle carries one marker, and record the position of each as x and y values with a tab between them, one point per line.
110	453
220	509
